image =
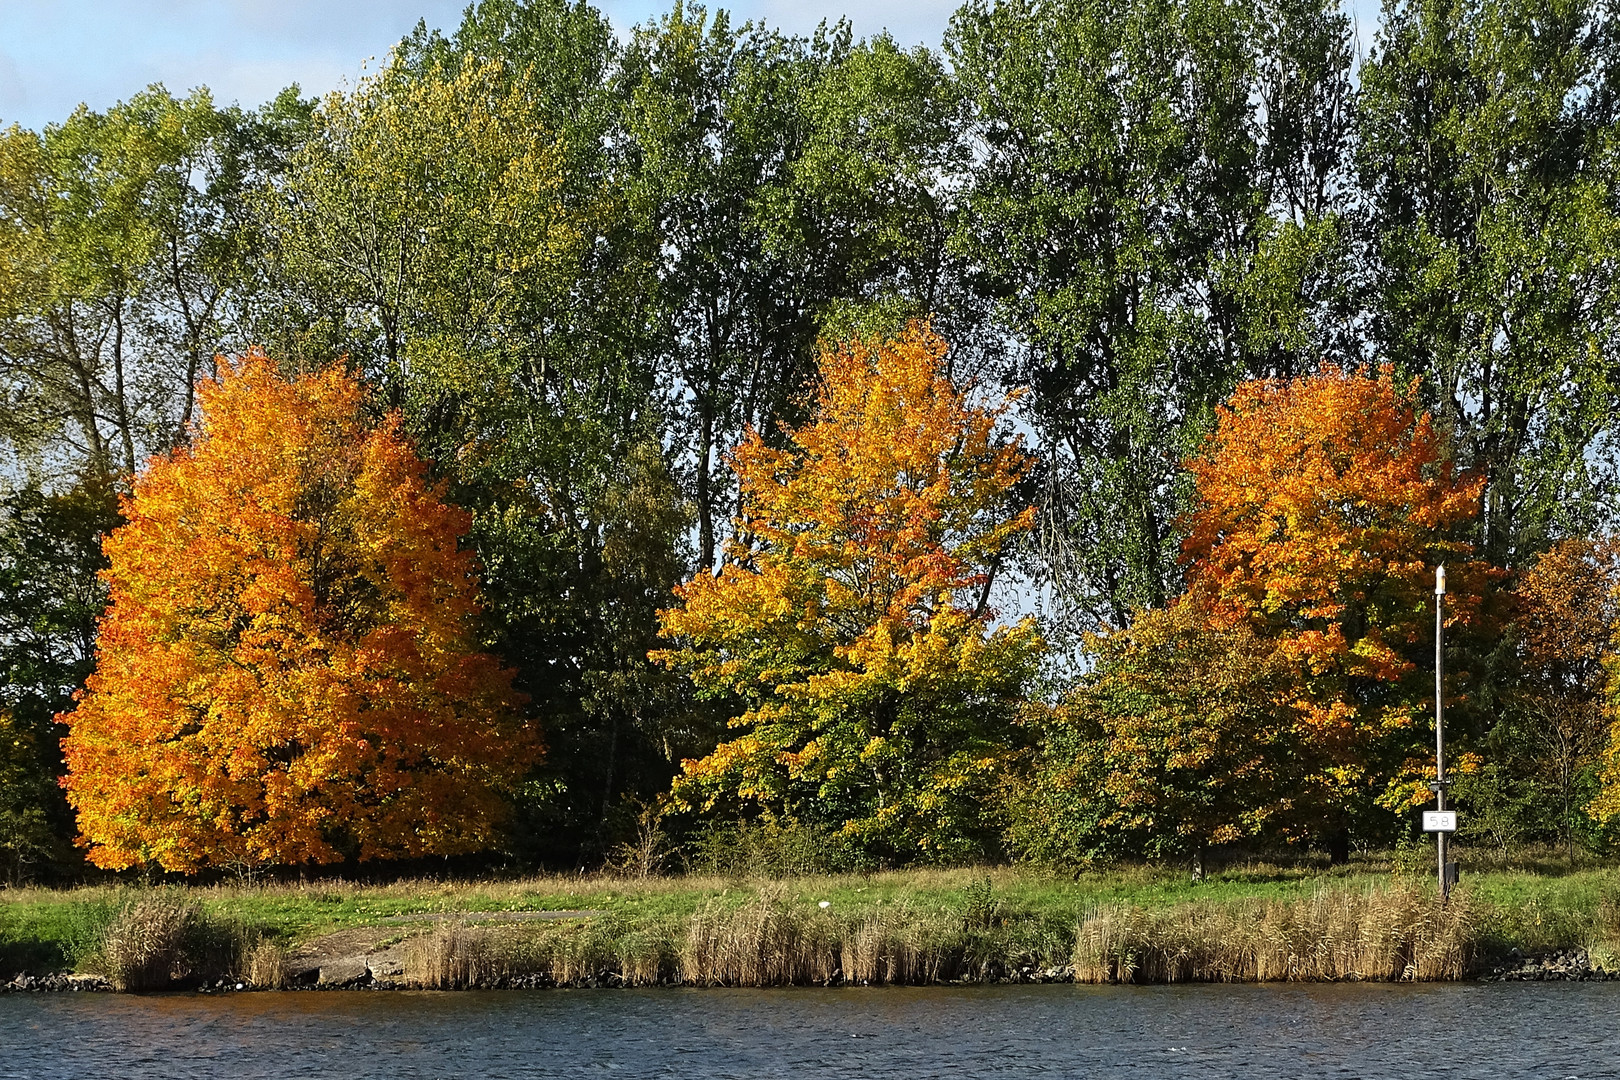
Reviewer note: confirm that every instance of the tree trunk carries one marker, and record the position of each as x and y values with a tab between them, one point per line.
1338	847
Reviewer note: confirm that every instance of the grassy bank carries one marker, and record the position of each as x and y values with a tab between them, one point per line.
1138	924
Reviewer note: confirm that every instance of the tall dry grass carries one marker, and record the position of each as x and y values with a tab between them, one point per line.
767	941
164	940
145	945
773	939
449	957
266	965
1399	932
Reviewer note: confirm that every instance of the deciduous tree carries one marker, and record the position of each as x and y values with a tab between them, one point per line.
1282	694
1487	156
124	238
850	622
1154	211
289	670
1553	725
1324	504
1182	737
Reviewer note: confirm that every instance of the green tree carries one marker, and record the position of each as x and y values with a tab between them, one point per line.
50	598
124	268
26	836
1487	158
713	118
1153	209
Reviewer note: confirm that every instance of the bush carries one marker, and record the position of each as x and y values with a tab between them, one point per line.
773	849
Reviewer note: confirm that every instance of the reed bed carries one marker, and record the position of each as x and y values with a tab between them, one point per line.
166	940
767	941
449	957
1396	933
771	938
266	965
1135	924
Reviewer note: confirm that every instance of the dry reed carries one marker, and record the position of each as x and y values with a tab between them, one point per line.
266	965
451	956
145	946
767	941
1396	933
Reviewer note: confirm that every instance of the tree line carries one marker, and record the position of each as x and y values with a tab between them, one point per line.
581	270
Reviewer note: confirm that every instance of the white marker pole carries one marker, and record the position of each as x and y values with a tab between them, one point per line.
1440	720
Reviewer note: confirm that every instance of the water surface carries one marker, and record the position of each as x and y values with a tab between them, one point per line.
1253	1032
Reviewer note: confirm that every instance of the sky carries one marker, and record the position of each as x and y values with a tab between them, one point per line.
55	54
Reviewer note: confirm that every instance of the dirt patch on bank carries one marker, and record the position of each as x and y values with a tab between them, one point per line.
376	953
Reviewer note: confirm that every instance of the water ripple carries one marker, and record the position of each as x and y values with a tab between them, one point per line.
1549	1031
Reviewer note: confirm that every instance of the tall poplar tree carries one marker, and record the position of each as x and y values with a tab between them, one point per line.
1153	209
1487	159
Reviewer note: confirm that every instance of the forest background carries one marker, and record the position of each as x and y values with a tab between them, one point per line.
583	270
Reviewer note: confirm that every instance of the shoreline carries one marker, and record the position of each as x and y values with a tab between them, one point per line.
1555	966
970	927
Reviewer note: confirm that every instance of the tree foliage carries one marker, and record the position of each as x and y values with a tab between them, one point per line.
1182	737
1542	753
581	263
288	671
852	626
1486	151
1324	504
1282	694
51	598
1154	212
124	241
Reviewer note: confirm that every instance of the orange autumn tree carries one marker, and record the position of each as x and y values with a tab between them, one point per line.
1323	506
850	621
1297	664
288	671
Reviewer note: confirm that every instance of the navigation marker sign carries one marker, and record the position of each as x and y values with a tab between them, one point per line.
1439	821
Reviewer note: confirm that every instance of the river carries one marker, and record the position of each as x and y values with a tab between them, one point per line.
1549	1031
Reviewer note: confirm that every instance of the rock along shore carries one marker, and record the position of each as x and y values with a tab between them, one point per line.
355	973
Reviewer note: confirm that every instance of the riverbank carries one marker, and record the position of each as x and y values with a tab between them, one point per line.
1255	922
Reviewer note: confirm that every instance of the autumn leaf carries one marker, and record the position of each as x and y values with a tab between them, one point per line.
288	672
850	623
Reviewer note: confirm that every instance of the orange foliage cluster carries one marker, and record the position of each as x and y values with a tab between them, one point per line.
1323	505
287	672
850	618
1568	611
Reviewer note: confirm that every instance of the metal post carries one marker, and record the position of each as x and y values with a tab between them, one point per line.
1440	721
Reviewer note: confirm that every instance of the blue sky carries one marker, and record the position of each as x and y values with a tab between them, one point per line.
55	54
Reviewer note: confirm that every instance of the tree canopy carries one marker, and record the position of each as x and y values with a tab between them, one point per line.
288	670
1284	319
852	623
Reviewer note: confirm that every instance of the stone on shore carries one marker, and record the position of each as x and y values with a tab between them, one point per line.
343	972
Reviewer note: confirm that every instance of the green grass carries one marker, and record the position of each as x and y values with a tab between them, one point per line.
1025	915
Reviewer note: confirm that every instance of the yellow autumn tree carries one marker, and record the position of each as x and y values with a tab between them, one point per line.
850	621
288	670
